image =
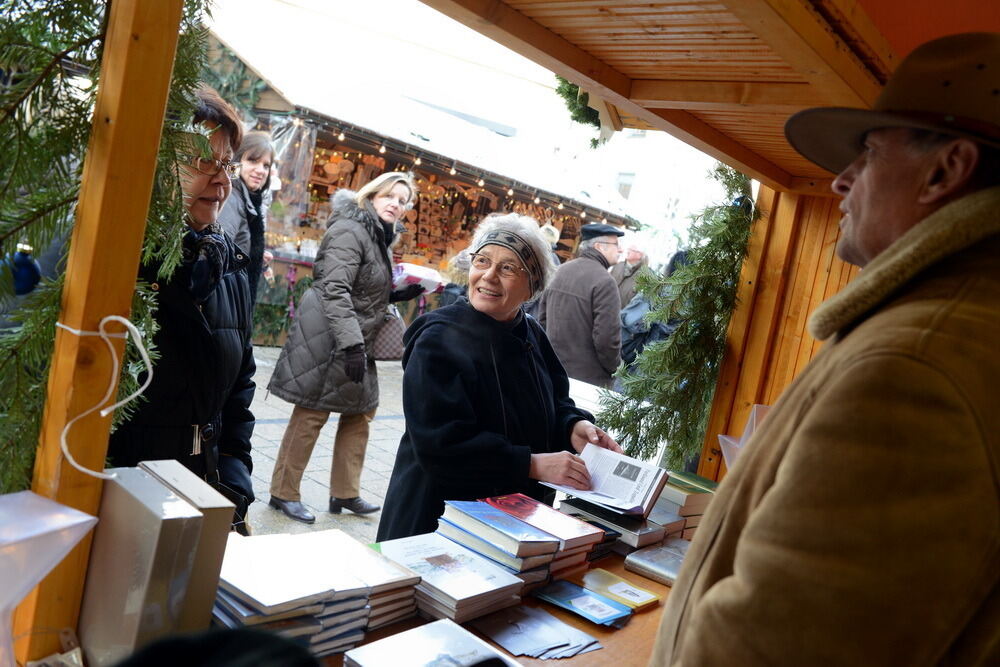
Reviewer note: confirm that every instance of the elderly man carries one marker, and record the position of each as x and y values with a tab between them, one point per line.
625	272
862	524
580	308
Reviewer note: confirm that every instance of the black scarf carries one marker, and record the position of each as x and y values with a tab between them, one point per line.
205	259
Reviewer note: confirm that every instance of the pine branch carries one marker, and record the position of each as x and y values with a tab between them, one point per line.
43	75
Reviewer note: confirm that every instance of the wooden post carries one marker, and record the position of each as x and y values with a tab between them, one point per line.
101	272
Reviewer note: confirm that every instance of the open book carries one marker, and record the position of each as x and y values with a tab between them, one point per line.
618	482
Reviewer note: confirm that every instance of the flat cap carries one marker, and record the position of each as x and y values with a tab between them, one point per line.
595	229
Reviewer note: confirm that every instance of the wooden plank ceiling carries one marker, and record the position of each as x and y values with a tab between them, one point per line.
722	75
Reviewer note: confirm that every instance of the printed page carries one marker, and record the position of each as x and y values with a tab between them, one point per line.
617	481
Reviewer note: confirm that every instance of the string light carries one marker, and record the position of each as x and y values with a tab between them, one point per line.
583	214
560	207
510	192
452	171
417	162
340	137
381	149
481	182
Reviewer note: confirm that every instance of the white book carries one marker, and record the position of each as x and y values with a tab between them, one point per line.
256	570
448	570
618	482
247	615
365	563
439	643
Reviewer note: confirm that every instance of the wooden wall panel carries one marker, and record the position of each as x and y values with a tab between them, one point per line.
791	268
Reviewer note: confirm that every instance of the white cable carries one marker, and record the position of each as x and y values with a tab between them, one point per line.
106	337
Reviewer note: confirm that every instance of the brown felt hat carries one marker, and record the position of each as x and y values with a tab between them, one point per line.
950	85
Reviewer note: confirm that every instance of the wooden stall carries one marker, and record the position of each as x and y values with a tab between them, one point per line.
722	75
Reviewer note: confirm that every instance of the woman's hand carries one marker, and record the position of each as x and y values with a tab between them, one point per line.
560	468
585	432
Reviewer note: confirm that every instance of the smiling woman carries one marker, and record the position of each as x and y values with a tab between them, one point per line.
485	398
198	404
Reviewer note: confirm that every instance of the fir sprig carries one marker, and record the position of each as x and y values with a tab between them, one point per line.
50	52
667	396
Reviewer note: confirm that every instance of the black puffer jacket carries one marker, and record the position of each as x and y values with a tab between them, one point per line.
480	397
202	380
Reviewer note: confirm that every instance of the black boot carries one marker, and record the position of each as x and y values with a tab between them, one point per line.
356	505
293	509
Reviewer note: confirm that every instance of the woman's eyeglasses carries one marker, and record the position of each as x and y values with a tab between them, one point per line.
505	269
211	166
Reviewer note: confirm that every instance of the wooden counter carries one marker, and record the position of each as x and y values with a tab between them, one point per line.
630	646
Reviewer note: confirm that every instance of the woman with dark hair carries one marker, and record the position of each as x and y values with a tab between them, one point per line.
197	408
325	366
244	217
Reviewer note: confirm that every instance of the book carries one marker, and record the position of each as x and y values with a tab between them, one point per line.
568	561
390	597
255	570
434	609
299	626
610	534
692	479
691	499
485	548
612	586
580	601
634	531
572	532
379	573
571	571
660	563
217	517
349	604
618	482
667	514
499	528
439	643
338	644
449	572
376	621
142	555
688	533
247	615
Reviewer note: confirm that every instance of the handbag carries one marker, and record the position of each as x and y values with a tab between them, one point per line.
388	345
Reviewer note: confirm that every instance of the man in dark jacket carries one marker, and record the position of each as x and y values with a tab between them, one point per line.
625	272
580	308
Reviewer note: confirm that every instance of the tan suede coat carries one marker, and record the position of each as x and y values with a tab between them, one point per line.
862	524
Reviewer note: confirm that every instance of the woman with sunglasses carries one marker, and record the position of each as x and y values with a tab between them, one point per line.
485	398
197	408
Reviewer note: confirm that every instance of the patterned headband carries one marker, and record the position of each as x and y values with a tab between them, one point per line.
519	247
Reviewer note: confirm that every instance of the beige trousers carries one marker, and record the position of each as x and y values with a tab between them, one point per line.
297	445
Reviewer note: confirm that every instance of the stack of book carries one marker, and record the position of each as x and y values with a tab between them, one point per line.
665	513
577	539
392	587
688	495
605	547
286	584
635	531
661	562
616	588
524	550
456	582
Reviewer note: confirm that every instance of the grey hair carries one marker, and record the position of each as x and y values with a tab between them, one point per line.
525	227
589	243
384	183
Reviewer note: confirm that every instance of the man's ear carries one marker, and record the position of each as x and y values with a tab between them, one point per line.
950	169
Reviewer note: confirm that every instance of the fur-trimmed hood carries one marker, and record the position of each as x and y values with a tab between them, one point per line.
344	206
948	230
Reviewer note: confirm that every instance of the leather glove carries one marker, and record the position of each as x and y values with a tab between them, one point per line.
406	293
355	362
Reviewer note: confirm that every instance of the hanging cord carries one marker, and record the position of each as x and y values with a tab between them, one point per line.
106	337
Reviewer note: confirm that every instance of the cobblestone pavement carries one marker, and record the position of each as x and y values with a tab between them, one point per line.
272	415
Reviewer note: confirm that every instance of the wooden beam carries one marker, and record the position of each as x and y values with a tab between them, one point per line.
102	267
723	95
817	187
804	40
508	27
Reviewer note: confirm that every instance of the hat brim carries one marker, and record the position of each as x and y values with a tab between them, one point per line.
832	137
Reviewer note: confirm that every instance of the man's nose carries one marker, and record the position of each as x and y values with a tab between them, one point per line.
841	185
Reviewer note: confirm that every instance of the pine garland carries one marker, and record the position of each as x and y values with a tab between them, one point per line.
668	395
50	52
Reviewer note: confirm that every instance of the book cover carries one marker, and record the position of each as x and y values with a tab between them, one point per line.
634	531
339	549
485	548
610	534
501	529
572	533
458	573
590	605
690	499
247	615
667	514
255	570
612	586
660	563
442	642
299	626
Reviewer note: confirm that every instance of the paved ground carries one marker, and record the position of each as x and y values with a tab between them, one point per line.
272	416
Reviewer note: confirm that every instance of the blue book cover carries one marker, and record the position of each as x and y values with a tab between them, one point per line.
505	531
579	600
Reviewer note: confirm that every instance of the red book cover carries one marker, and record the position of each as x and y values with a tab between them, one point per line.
572	533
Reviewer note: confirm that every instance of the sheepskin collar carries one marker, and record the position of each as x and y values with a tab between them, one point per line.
948	230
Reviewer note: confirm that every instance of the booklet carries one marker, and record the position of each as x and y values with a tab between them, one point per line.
618	482
590	605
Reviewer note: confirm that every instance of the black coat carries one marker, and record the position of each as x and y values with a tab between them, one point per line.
480	397
202	379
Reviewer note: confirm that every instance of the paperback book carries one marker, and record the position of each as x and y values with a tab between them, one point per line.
635	531
580	601
439	643
491	551
612	586
572	532
660	563
499	528
618	482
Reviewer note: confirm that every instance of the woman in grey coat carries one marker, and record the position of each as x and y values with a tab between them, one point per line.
323	367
